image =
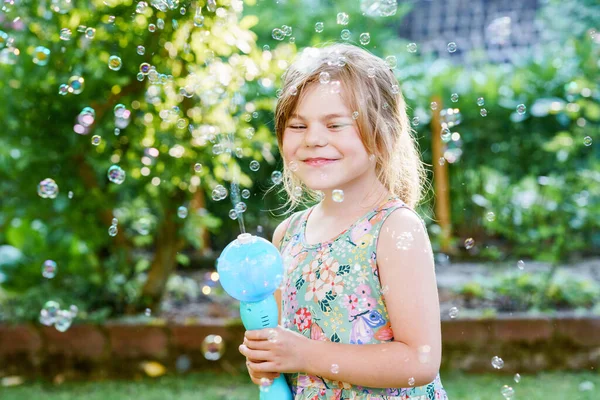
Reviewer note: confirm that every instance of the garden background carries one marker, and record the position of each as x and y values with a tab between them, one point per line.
131	131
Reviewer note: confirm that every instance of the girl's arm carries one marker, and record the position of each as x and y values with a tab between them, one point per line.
407	274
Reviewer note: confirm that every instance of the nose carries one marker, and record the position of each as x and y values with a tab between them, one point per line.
314	136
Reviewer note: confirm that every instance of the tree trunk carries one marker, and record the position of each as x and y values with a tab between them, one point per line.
167	244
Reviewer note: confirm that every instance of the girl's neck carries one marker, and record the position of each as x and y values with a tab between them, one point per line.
357	201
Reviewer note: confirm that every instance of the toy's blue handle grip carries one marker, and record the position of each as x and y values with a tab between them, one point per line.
259	315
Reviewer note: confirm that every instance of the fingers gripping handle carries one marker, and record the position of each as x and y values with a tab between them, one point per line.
259	315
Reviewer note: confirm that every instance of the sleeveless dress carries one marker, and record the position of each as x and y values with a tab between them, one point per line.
332	292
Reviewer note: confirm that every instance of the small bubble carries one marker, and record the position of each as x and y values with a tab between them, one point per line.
451	47
324	77
293	166
48	189
490	216
411	381
265	383
116	174
507	392
319	27
337	195
114	221
454	97
90	33
391	62
483	112
453	312
49	269
364	38
335	369
254	165
587	141
272	336
278	34
160	23
517	378
182	212
497	362
152	27
355	115
345	34
446	135
198	167
141	50
521	265
65	34
233	214
521	109
411	47
245	193
70	194
469	243
415	121
371	72
148	312
113	230
293	91
276	177
433	105
96	140
212	347
395	89
297	192
343	18
480	101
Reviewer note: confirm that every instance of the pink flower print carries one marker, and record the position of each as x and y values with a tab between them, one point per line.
359	230
308	272
303	319
291	305
350	302
367	303
363	290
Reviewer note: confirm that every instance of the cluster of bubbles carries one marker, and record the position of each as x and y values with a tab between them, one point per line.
113	229
276	177
282	33
404	241
48	189
49	269
52	314
379	8
84	121
74	85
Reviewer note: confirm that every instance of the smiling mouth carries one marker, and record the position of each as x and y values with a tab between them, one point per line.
317	162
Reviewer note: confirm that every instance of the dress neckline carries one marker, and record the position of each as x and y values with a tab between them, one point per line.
337	237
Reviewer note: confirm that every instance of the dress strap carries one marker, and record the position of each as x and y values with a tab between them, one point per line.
293	223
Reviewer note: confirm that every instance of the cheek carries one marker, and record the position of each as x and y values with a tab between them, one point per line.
289	147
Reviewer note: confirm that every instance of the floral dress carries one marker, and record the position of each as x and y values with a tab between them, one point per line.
332	292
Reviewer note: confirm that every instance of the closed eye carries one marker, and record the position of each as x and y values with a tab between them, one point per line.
297	126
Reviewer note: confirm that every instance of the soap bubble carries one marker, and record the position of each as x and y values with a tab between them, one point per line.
90	33
521	265
182	212
49	269
483	112
76	84
345	35
451	47
61	6
147	312
587	141
379	8
96	140
116	174
240	207
521	109
433	105
63	89
113	230
335	369
151	27
480	101
48	189
415	121
276	177
233	214
343	18
469	243
213	347
453	313
319	27
49	313
278	34
517	378
337	195
411	47
324	77
497	362
254	165
115	63
490	216
454	97
411	381
364	38
41	56
245	193
63	320
391	61
507	392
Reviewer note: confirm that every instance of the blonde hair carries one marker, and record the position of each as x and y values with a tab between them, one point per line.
367	85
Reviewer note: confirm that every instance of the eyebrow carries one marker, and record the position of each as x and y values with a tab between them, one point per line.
328	116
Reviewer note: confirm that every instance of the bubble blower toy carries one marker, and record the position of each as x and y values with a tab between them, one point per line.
250	270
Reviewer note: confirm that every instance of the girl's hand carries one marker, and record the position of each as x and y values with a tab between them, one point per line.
274	350
260	378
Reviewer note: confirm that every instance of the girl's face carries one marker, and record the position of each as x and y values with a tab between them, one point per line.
322	139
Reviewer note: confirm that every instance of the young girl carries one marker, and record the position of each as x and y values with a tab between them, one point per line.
359	304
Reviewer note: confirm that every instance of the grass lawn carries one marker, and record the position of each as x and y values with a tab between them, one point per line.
546	386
